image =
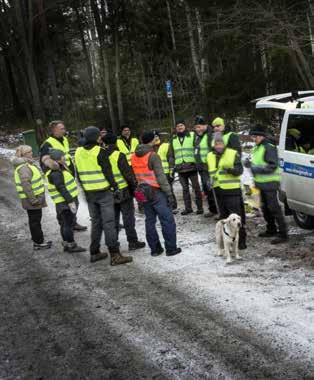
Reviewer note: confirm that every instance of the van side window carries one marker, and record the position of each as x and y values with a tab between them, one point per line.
300	134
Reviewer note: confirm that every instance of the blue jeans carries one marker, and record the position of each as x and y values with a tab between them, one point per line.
159	207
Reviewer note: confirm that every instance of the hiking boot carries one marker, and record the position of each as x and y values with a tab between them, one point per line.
242	245
74	248
158	252
117	258
133	246
175	252
280	239
44	245
77	227
267	234
98	256
200	212
186	212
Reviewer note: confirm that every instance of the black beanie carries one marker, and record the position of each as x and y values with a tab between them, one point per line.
180	121
56	154
147	137
91	134
199	120
258	130
110	138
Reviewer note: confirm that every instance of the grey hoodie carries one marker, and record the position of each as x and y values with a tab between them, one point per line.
31	202
154	164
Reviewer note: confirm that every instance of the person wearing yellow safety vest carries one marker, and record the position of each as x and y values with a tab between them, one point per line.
265	169
126	181
231	139
127	143
182	156
162	149
202	146
58	140
63	191
293	141
95	175
225	170
31	191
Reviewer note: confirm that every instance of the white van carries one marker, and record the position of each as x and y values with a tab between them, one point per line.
297	158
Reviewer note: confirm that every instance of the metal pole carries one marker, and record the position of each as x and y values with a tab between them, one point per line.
173	114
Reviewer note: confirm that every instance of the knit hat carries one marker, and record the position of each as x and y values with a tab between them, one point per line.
147	137
199	120
91	134
110	138
218	121
22	150
218	138
258	130
180	121
56	154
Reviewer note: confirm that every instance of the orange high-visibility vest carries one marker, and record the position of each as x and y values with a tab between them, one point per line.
142	172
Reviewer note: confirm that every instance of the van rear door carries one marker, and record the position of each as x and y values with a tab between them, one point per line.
296	152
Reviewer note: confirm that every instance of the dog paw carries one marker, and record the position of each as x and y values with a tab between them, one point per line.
239	258
228	262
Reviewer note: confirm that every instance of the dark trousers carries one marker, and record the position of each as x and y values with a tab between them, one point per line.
159	207
34	222
209	194
184	179
66	219
101	211
232	204
272	212
126	208
175	204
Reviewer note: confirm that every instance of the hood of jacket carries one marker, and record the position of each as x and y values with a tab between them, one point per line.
16	161
50	163
143	149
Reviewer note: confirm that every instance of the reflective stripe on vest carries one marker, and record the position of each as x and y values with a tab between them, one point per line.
204	149
88	170
37	182
258	155
142	172
70	185
225	137
184	153
65	147
120	181
162	153
125	149
222	179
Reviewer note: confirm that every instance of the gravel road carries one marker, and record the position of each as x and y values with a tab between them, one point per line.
185	317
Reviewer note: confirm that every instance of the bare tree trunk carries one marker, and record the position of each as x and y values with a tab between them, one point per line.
173	39
117	76
203	60
265	67
310	21
194	55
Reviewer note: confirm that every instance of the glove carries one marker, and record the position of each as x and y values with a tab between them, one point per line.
171	201
34	201
73	207
247	163
117	196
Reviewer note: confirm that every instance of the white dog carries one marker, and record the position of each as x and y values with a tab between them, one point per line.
227	237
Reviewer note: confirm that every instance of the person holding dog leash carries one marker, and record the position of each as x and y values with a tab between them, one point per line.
265	169
225	170
155	193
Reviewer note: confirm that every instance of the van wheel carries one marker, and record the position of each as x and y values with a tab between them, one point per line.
303	220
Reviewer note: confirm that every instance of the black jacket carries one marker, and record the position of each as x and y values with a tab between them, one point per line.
56	179
234	142
271	158
197	141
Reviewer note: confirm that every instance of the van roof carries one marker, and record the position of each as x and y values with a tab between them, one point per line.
287	101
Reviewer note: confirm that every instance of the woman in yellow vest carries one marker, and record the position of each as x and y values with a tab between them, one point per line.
63	191
225	170
31	191
125	179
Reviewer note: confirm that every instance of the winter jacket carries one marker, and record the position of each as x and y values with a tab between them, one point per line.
154	164
32	202
200	165
184	167
271	158
44	154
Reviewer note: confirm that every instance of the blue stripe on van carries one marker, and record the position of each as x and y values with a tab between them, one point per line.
296	169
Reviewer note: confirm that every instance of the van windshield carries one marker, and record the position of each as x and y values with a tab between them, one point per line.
300	134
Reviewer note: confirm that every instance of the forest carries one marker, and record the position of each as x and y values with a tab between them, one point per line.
105	62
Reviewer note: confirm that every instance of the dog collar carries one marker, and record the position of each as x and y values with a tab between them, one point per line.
225	232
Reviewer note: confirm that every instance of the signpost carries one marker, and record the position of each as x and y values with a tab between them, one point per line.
169	96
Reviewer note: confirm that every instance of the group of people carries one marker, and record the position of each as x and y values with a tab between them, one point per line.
112	171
